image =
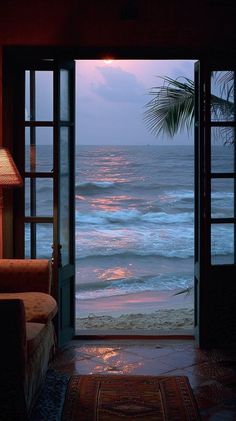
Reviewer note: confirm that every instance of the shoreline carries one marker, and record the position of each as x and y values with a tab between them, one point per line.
143	310
165	320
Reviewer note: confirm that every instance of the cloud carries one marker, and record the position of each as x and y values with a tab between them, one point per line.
119	85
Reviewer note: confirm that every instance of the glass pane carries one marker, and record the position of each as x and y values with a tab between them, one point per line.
39	157
27	95
44	95
222	96
222	198
27	241
64	95
222	244
44	241
222	154
64	194
42	205
44	233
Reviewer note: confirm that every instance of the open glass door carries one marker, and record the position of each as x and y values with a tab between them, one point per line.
44	143
64	208
215	204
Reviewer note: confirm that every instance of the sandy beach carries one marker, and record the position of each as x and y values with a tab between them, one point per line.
147	311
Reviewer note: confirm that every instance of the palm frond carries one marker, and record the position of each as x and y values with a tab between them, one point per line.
225	80
171	108
186	291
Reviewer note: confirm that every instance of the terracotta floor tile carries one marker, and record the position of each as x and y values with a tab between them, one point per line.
212	374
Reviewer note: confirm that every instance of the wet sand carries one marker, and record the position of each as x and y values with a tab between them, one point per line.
149	310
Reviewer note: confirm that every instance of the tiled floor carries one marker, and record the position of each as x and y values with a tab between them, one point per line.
212	374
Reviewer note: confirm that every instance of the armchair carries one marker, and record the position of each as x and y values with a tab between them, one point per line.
27	334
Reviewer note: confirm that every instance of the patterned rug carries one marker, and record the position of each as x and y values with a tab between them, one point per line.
51	399
122	397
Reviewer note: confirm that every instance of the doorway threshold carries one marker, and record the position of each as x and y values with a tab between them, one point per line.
133	334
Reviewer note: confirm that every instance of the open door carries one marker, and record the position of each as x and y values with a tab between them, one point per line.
64	198
43	141
215	204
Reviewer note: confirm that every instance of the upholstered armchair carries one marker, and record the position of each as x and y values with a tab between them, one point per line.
27	334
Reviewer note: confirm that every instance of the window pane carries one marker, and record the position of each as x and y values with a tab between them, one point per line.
222	244
222	96
44	240
222	156
64	194
222	198
27	95
64	95
27	241
44	95
43	190
39	157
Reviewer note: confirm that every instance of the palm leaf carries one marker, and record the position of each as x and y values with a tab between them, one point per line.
171	108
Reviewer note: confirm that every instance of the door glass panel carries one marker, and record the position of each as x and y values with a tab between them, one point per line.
64	194
44	234
27	95
222	96
27	241
44	240
43	197
222	198
222	244
44	95
64	95
39	157
222	155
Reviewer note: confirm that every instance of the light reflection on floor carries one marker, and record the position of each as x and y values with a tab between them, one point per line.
212	374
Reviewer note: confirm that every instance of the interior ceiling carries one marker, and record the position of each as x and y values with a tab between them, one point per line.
164	24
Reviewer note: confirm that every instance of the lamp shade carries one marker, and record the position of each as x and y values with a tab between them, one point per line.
9	174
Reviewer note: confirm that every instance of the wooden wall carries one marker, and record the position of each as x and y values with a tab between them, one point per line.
195	25
131	28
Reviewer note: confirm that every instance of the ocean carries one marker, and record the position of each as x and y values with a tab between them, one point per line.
135	219
135	222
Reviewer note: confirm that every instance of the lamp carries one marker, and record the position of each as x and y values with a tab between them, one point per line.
9	174
9	177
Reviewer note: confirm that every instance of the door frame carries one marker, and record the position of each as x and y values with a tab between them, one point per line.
63	288
215	287
100	53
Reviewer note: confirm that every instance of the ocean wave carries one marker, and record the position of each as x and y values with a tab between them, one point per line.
124	286
132	215
142	252
93	186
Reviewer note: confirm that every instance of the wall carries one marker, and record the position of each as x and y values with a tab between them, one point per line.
197	25
159	28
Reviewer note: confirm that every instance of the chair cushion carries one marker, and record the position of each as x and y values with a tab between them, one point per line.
39	307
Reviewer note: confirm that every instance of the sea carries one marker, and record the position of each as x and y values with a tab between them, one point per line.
135	219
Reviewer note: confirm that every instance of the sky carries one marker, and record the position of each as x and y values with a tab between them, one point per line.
111	98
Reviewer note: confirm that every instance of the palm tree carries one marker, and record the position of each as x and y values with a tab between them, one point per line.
171	108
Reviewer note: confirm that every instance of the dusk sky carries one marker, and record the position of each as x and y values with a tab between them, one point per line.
111	98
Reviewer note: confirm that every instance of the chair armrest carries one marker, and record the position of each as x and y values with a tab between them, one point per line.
13	334
24	275
12	359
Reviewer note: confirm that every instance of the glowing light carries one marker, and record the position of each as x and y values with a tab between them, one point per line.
108	60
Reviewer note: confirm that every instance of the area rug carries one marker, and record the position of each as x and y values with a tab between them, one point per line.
51	399
122	397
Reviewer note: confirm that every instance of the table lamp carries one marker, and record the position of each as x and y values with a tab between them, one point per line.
9	177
